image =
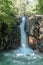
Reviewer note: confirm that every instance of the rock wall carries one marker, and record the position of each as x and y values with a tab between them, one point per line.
10	40
30	20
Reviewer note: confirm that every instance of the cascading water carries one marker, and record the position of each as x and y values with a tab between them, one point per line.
24	49
23	34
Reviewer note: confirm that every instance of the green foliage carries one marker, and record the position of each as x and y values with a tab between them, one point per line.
39	7
7	12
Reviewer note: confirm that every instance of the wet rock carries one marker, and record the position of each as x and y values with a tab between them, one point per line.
29	22
9	40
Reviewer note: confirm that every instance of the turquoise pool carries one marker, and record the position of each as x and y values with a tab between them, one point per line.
9	58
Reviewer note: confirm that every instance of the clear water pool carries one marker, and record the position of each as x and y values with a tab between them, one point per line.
9	58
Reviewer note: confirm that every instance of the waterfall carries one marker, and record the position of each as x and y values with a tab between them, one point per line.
24	49
23	34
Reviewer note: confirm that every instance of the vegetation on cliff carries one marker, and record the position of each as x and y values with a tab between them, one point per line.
39	7
9	34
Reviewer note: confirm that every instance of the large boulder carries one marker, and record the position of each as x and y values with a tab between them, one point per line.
30	20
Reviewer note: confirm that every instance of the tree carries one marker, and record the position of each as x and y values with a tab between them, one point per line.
39	7
7	12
